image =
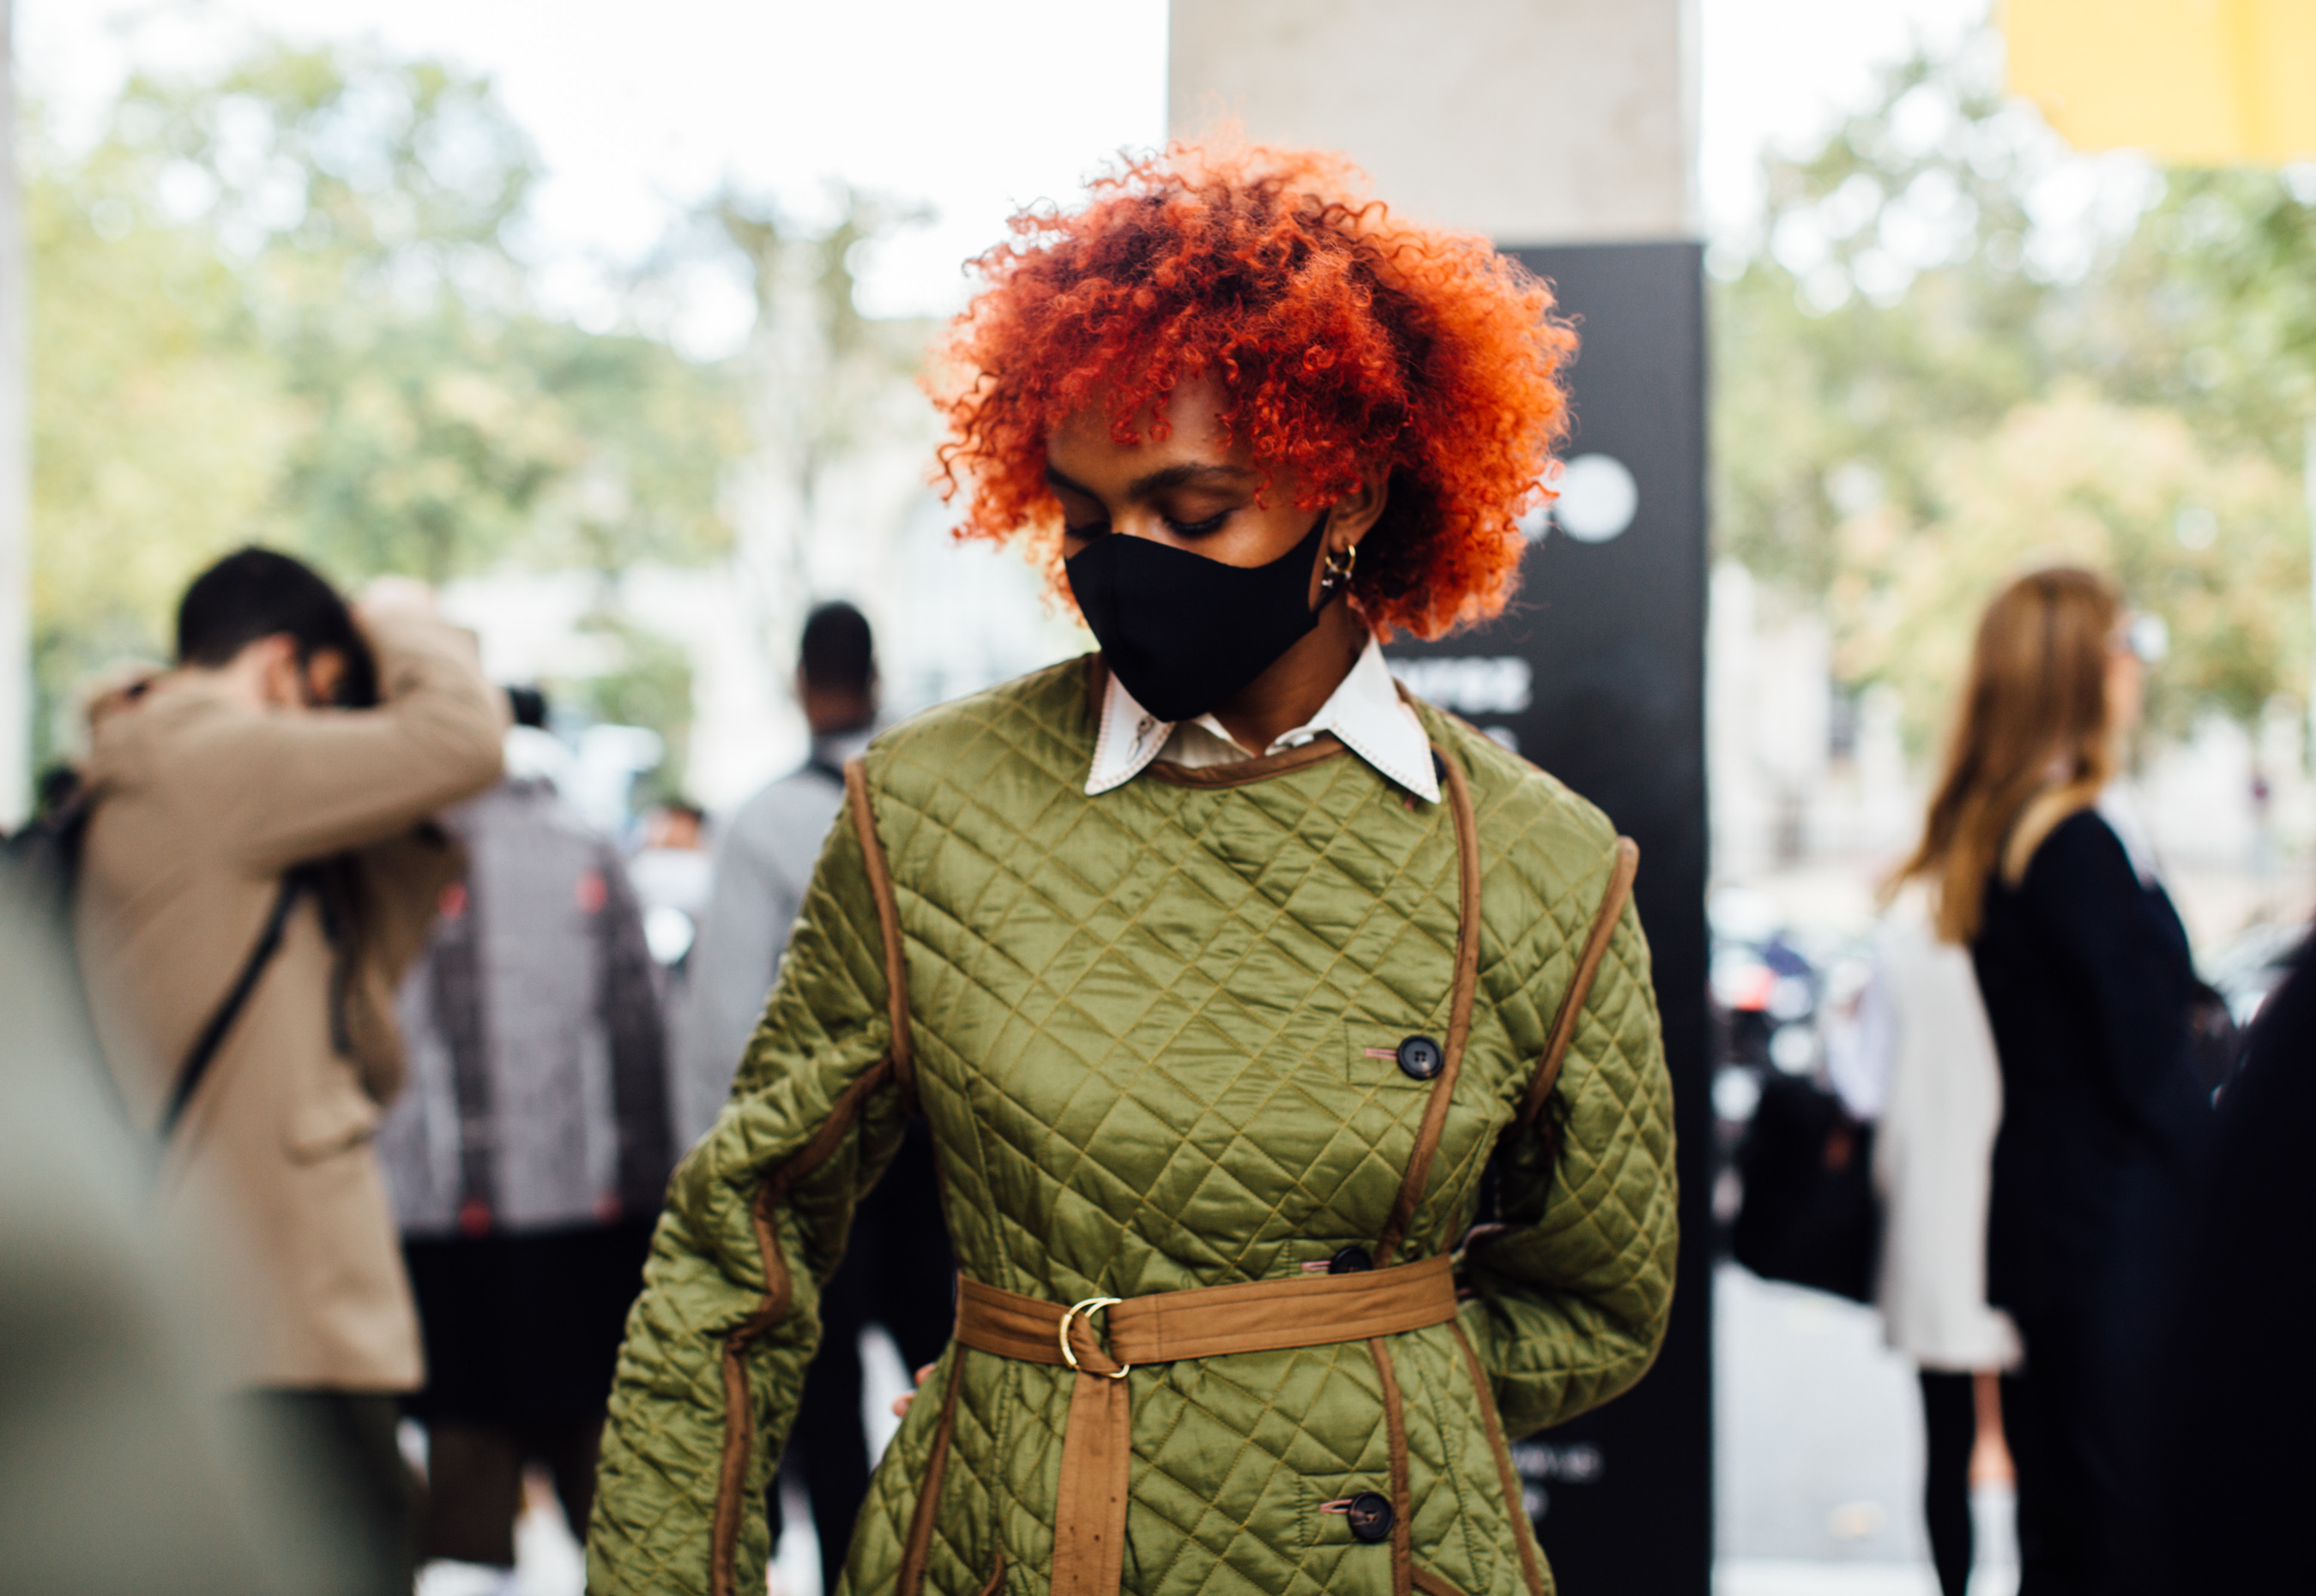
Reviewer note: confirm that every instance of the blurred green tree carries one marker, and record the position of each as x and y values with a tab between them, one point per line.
1885	303
1950	349
650	685
825	383
160	430
2209	308
2211	540
286	303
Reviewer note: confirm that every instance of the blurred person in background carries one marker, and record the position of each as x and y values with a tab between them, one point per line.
1918	1061
259	867
528	1157
897	1268
764	857
672	872
2085	970
1222	968
2241	1396
121	1466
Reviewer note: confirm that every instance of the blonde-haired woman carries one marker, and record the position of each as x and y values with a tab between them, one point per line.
2085	969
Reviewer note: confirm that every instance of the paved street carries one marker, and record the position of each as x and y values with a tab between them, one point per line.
1818	1453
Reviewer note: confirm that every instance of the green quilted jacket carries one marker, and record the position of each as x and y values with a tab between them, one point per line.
1156	1032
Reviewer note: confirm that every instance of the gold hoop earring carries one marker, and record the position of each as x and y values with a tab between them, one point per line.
1335	572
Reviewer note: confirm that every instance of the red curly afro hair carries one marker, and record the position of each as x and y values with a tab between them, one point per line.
1342	335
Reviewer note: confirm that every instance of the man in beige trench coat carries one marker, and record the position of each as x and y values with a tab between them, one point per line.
242	782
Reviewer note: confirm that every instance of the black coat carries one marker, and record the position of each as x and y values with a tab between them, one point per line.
2088	981
2242	1370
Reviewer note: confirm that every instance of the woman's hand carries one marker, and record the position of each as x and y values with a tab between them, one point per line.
901	1403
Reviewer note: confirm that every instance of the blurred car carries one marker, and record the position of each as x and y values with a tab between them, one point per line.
1774	989
1773	986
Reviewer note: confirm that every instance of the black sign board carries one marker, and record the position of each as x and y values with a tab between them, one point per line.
1597	673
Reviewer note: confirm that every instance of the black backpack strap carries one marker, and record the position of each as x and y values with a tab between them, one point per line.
205	1046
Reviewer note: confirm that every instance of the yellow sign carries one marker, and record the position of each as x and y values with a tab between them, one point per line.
2194	83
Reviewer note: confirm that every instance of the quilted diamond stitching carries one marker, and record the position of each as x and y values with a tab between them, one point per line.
1128	1013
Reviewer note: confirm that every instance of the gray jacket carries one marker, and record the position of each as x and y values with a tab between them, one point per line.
538	1085
764	863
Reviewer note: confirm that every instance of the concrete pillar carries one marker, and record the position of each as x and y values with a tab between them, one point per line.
1565	131
1532	121
15	498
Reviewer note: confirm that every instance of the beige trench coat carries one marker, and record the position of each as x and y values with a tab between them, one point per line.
271	1183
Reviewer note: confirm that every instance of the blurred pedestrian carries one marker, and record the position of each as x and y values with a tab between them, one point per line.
1919	1063
2241	1397
122	1468
765	859
530	1153
898	1269
259	867
2085	972
673	873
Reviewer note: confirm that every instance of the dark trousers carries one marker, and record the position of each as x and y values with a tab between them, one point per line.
474	1482
340	1447
897	1272
2077	1418
522	1334
1950	1429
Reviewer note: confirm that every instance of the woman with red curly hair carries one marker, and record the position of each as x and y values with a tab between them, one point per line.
1222	968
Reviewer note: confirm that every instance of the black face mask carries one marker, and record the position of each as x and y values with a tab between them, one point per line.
1185	633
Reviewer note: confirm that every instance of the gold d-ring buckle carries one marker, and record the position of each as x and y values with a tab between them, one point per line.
1091	1305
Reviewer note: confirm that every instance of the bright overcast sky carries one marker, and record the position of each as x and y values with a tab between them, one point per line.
972	108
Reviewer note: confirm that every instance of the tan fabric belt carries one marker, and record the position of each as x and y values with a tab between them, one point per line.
1208	1322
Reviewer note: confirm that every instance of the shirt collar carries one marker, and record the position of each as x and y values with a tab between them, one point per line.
1366	711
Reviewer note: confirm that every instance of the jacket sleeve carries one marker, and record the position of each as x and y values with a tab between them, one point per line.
402	881
1571	1293
2131	989
714	1359
298	787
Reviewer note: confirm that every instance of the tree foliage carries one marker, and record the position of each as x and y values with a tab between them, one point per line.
1952	349
2210	539
824	384
1885	307
286	303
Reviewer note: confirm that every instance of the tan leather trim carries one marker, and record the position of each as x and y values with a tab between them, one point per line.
1431	1584
739	1412
1207	1322
732	1468
1245	772
919	1545
1613	898
1507	1480
1403	1497
1090	1510
888	922
1459	1015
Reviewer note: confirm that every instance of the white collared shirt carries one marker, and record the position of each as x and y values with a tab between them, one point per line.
1366	711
